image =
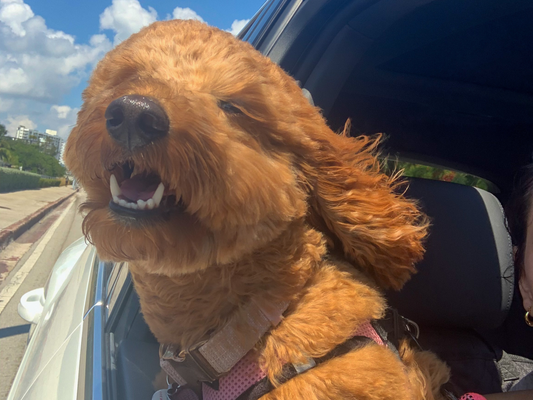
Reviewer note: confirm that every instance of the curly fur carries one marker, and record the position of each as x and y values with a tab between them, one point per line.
274	206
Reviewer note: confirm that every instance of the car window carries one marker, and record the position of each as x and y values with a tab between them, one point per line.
111	280
115	284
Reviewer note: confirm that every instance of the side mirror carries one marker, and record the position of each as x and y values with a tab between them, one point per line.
31	305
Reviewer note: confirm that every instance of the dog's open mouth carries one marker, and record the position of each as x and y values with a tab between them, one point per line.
140	193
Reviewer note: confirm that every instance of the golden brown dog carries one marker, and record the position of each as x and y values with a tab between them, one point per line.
212	175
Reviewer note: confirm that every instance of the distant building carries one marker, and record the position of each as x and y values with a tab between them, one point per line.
22	133
62	152
49	143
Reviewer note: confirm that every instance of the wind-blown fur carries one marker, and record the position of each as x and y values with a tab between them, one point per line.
272	205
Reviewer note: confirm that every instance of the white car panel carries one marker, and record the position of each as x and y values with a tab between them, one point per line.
59	379
62	315
63	268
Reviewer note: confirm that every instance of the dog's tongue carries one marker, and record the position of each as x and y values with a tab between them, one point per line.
139	188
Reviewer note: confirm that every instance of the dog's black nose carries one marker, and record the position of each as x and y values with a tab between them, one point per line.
135	121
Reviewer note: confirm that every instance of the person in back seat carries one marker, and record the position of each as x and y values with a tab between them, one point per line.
463	297
519	212
520	221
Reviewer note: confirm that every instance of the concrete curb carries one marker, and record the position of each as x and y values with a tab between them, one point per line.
13	231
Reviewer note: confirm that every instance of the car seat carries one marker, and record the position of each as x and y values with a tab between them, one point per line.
464	287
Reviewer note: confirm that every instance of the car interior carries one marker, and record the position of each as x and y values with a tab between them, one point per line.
450	84
462	293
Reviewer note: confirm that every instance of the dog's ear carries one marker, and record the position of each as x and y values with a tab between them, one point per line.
361	210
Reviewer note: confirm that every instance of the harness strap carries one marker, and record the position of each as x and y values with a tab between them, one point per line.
393	328
289	371
388	331
211	359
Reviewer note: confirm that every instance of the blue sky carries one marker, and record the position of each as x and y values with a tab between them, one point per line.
48	48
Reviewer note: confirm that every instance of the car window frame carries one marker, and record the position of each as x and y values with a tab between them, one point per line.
256	31
93	357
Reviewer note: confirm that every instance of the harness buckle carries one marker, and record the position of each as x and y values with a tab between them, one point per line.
411	327
187	367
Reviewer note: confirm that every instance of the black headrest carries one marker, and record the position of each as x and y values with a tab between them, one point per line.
466	278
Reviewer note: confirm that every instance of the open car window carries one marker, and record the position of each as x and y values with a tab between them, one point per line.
131	352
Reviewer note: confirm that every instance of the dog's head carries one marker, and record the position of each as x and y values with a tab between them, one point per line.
196	150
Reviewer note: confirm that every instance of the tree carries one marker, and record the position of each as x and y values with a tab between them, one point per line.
7	155
31	159
3	131
49	148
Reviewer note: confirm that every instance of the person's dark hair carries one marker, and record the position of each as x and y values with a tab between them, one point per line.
517	210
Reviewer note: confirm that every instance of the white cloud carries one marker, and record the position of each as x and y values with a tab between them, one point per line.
13	122
14	80
40	65
38	115
126	17
37	62
63	119
14	13
62	111
237	26
185	13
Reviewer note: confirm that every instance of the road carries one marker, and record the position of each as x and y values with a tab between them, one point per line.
13	329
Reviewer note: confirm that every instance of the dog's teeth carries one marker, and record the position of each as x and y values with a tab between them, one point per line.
116	200
158	195
133	206
141	204
123	203
113	186
150	204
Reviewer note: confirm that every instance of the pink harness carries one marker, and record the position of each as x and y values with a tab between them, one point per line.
247	372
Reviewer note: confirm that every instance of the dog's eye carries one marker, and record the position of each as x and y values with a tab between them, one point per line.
228	108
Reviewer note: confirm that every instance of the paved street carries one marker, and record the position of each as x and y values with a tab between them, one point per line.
16	205
13	329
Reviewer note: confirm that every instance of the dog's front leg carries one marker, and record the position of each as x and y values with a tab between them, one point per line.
372	372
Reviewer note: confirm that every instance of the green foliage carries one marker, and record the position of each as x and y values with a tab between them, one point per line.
12	180
49	147
28	156
413	170
44	182
3	131
7	156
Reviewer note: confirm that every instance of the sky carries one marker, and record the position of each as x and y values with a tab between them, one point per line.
48	49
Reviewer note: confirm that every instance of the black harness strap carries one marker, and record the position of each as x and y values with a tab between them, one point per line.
392	329
264	386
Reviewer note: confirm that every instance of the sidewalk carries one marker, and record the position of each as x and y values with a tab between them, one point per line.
20	210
